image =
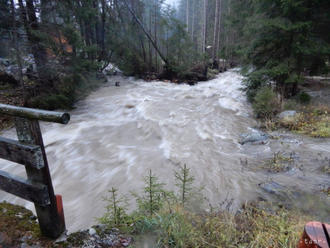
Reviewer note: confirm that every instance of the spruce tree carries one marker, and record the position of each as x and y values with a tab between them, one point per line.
285	42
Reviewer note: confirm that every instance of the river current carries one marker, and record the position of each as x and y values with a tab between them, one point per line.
117	134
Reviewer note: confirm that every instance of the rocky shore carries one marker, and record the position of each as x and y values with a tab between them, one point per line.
19	229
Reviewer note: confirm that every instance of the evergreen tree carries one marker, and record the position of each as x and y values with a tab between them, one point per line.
286	42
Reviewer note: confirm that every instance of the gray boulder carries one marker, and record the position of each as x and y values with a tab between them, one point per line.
287	114
255	137
112	70
288	118
272	188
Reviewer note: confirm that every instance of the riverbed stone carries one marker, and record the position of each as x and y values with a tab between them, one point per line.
92	231
287	113
288	118
254	136
272	187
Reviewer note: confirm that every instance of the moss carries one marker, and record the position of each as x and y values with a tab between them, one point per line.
76	239
17	220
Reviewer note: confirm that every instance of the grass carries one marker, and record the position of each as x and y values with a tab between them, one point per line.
313	121
310	120
175	225
326	169
251	227
278	163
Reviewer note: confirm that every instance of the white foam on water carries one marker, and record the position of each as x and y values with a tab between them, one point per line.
118	133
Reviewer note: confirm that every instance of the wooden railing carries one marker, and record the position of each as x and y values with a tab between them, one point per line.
29	151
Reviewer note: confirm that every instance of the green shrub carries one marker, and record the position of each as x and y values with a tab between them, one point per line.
265	103
304	98
51	102
116	212
184	183
152	199
253	82
255	225
290	104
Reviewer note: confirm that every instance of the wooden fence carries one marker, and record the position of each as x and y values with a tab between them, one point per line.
29	151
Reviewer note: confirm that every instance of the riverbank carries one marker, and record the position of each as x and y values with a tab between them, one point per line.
173	226
19	229
118	133
307	113
68	90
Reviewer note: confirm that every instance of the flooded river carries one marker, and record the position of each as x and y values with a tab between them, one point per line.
117	134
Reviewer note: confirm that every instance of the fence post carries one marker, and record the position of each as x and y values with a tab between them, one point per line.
50	222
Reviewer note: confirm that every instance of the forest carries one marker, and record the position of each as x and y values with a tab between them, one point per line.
194	123
50	47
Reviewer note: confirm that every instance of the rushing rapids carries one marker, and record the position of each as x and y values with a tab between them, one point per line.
118	133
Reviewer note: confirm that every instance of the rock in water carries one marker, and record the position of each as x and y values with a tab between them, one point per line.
255	136
288	118
111	70
272	187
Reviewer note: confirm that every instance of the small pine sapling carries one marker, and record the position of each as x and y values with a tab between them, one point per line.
116	210
184	182
151	201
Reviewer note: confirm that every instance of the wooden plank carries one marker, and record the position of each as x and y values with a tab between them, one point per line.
20	187
316	236
321	239
326	228
36	114
51	224
29	155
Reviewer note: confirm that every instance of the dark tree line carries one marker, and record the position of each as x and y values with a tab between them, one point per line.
68	39
279	41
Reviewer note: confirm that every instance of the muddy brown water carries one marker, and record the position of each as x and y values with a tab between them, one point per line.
118	133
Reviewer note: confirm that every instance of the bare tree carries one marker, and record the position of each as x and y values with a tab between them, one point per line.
17	49
204	29
187	15
216	30
146	33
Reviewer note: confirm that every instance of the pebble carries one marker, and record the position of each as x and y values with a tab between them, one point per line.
92	231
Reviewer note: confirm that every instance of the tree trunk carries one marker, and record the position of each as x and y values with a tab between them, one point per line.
187	15
103	29
204	25
216	31
17	50
155	33
219	31
146	33
149	42
31	25
193	20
